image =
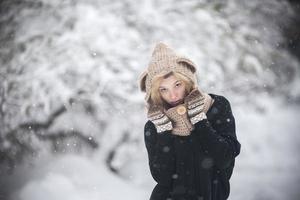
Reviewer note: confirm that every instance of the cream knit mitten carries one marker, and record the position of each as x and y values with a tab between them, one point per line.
159	119
198	104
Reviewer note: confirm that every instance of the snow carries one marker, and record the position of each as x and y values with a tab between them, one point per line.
267	166
87	56
76	177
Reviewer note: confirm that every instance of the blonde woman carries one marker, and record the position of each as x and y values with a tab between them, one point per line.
190	135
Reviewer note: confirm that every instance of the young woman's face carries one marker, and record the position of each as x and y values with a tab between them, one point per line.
172	90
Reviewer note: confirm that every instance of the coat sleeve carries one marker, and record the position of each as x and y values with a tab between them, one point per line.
160	154
221	143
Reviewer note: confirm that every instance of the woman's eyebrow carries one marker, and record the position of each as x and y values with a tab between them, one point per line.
176	82
172	83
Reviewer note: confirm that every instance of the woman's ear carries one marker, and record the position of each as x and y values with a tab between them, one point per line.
142	82
188	63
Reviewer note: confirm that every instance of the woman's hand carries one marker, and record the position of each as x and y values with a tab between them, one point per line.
195	106
159	119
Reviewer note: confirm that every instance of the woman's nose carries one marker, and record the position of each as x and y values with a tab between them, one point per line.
173	95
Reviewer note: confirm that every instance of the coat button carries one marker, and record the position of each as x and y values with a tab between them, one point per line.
181	110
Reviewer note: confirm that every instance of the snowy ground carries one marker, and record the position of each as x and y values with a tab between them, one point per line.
267	167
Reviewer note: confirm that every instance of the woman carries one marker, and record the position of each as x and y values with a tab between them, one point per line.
190	135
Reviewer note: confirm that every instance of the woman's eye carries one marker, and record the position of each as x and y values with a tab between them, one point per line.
162	90
178	84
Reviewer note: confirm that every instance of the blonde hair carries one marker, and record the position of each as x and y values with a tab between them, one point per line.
155	97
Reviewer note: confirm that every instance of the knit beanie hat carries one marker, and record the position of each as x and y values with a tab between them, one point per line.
163	61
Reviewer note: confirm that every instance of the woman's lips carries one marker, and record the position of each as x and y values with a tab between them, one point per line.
176	102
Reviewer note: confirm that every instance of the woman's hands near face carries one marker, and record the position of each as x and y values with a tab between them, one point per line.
195	106
159	119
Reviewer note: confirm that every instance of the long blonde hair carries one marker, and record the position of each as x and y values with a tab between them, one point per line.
155	97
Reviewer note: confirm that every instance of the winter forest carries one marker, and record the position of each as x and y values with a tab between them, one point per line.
72	114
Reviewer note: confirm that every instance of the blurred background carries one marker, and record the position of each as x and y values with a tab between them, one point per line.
72	115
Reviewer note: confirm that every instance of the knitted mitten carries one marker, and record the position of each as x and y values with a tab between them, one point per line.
181	124
160	120
197	105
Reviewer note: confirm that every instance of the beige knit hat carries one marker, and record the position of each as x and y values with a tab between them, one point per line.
163	61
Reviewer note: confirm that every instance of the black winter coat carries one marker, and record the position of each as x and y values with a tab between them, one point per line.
197	166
